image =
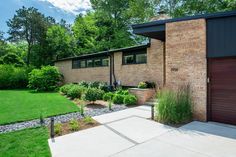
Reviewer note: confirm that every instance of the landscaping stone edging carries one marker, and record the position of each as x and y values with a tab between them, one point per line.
58	119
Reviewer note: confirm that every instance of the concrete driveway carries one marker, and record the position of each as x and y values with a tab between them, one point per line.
129	133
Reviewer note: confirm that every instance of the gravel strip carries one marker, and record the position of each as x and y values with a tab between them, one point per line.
58	119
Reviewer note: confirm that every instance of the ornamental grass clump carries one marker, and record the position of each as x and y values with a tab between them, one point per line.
174	107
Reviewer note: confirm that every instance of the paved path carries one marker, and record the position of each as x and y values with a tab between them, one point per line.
129	133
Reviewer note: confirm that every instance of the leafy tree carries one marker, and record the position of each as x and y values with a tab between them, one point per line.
13	59
29	25
86	32
60	42
177	8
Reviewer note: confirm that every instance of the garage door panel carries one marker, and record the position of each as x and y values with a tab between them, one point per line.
222	90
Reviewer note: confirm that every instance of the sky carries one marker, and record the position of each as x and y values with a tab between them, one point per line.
66	9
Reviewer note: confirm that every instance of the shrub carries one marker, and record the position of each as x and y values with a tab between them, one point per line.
88	120
83	83
104	86
74	125
110	104
93	94
13	77
122	92
81	109
142	85
130	100
64	89
75	91
174	106
58	128
94	84
108	96
13	59
118	99
45	79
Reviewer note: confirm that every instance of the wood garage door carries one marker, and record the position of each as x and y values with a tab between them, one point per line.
222	90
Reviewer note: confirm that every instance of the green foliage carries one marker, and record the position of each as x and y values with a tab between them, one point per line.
83	83
122	92
65	88
45	79
74	125
75	91
93	94
13	59
88	120
60	42
108	96
130	99
174	106
58	128
118	99
142	85
29	25
110	104
13	77
94	84
81	109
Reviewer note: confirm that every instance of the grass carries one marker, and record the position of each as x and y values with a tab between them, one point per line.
28	142
22	105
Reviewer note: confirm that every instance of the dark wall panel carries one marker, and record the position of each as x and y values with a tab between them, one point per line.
221	37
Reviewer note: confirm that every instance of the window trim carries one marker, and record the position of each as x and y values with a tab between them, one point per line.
86	62
134	53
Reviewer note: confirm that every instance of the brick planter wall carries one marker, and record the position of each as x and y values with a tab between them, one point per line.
142	94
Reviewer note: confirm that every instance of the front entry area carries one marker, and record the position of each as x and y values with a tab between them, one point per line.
222	90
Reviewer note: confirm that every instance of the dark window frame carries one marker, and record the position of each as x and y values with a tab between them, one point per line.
86	62
134	53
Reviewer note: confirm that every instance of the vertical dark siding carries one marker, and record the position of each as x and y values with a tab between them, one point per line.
221	37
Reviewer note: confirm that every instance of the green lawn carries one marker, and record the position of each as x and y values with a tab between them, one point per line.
25	143
22	105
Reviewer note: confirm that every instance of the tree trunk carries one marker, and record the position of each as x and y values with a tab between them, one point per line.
28	55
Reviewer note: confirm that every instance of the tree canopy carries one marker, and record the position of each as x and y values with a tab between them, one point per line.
39	40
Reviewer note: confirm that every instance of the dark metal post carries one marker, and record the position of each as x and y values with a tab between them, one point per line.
52	127
152	112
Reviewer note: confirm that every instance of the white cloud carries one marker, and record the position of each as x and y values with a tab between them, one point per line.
72	6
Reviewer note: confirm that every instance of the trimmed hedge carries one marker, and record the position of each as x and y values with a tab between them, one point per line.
75	91
93	94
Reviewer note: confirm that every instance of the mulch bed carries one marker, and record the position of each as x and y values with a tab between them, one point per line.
82	124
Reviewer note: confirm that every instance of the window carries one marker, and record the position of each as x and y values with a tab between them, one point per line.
129	59
97	62
105	62
75	64
141	58
91	62
135	57
82	64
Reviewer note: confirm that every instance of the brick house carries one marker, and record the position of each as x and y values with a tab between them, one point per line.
197	50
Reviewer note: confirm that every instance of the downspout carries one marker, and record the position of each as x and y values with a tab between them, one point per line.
113	70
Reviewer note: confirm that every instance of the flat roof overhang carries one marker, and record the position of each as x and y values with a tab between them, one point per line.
156	29
153	31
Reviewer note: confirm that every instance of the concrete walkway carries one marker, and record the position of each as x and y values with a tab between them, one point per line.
129	133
